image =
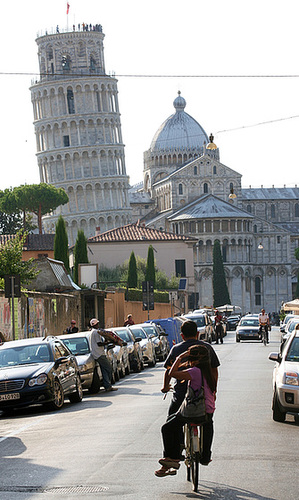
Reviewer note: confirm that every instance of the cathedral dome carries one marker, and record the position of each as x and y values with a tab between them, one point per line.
179	132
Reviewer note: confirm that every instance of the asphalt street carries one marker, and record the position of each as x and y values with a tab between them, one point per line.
108	446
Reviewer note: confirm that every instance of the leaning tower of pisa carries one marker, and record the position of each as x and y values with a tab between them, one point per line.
78	132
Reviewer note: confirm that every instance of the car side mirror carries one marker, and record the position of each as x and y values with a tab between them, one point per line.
110	346
138	339
61	360
124	343
275	356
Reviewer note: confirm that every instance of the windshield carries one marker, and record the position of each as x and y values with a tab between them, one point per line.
139	333
249	322
199	320
293	352
77	345
150	330
24	355
124	335
292	325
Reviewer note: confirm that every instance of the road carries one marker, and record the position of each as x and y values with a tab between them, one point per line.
107	447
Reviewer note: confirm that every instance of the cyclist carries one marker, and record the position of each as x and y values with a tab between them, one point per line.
264	322
196	370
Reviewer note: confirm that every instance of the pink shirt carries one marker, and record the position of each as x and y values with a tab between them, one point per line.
196	383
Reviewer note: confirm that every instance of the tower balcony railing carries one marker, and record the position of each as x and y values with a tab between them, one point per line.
67	74
84	27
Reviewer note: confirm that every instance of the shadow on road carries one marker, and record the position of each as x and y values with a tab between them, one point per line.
212	491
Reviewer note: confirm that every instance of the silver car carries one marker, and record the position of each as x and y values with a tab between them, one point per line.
289	328
133	347
147	346
286	379
122	356
90	372
159	338
248	329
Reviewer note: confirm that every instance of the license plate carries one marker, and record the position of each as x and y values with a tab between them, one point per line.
5	397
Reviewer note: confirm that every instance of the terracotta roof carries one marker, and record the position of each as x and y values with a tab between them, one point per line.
137	232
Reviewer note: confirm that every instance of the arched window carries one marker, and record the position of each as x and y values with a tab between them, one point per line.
214	169
70	102
231	186
195	169
205	188
180	188
255	228
258	290
296	209
248	208
66	63
272	211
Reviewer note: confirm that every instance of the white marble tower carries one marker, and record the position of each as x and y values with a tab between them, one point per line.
78	132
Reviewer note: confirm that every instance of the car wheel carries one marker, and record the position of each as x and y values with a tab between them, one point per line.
122	371
127	369
96	383
77	396
137	365
278	415
116	376
237	339
142	365
58	400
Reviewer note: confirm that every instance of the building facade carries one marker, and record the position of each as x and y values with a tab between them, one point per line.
78	132
193	194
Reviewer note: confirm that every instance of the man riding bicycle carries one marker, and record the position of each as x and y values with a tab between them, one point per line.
264	322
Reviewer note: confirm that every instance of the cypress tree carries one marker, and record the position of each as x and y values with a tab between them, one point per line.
220	290
80	253
150	274
61	243
132	271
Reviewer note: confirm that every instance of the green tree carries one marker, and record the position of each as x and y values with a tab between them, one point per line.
11	260
297	287
220	290
61	243
39	199
132	271
150	274
80	253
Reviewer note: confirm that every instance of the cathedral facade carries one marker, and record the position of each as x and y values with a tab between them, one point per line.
188	191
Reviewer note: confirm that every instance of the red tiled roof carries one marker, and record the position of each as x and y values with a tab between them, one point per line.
136	232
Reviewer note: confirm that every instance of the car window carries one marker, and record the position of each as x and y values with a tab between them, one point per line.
60	350
24	355
150	330
199	320
139	333
124	335
77	345
293	352
249	322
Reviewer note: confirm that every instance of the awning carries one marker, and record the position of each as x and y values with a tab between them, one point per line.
293	305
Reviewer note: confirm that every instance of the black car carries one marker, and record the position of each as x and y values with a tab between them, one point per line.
232	322
39	370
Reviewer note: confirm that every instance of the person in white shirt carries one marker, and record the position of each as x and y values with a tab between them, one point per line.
97	345
264	321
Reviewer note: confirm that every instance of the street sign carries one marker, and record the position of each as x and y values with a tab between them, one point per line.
148	295
12	286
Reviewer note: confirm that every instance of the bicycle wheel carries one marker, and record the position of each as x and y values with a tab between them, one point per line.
194	459
187	451
264	337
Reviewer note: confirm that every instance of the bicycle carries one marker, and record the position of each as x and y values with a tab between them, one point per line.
193	450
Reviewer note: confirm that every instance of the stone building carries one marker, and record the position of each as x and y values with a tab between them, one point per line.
188	191
78	132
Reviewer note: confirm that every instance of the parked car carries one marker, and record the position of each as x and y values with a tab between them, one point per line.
285	322
122	356
39	370
290	327
146	344
90	371
248	329
133	346
204	324
232	322
159	338
286	379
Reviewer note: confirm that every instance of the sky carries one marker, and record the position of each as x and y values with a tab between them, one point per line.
235	62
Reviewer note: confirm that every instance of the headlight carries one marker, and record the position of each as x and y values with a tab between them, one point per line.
40	380
291	378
